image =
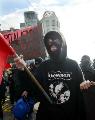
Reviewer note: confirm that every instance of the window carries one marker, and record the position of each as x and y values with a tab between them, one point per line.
53	28
47	22
48	30
53	22
58	25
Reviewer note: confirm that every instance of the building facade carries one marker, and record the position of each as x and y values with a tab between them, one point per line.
22	25
30	18
50	22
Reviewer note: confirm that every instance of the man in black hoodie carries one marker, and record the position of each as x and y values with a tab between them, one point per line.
89	92
60	77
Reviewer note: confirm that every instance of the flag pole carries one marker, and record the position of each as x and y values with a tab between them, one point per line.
37	83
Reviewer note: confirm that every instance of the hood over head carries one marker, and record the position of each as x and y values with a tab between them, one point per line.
85	60
56	46
85	63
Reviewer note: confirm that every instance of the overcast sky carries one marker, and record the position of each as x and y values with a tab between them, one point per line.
77	19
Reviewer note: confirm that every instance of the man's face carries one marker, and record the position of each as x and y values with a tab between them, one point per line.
54	46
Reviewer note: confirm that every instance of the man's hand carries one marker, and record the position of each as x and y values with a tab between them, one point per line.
85	85
20	63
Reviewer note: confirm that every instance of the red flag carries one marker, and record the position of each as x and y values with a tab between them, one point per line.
5	51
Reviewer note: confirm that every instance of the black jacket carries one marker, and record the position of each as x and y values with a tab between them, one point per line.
62	84
89	94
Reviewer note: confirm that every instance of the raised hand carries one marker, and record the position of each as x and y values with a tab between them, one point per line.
20	63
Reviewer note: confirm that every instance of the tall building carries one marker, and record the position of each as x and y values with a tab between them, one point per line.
22	25
30	18
50	22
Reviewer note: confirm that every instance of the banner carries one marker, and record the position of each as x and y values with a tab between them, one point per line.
28	41
11	36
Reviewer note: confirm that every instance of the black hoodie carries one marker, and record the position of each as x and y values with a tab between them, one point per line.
60	77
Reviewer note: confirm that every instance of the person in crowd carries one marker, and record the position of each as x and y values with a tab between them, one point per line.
2	95
22	89
87	68
88	72
88	86
11	85
1	112
3	90
38	61
60	77
93	64
32	67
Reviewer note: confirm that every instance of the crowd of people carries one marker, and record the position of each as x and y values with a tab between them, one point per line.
66	89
